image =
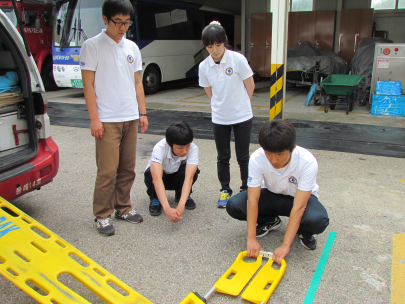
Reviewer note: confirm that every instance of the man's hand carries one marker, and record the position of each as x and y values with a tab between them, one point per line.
97	129
143	121
180	209
173	215
280	253
253	247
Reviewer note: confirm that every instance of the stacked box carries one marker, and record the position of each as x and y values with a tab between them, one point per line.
388	88
388	105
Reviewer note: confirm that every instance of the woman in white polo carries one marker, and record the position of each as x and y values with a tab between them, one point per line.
228	80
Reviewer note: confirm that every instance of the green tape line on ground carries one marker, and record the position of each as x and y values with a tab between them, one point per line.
313	287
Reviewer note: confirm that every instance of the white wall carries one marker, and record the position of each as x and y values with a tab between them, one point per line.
393	23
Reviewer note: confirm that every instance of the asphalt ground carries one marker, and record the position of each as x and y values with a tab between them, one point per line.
332	136
363	194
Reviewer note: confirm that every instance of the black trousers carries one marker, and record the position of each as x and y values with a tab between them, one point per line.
314	220
222	135
172	181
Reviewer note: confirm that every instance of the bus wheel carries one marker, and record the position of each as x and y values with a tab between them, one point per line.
151	80
47	76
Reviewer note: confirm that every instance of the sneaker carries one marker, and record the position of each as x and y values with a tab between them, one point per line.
155	208
223	199
131	217
262	230
104	226
308	243
190	204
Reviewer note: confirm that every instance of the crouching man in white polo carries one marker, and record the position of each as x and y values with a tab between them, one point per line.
289	174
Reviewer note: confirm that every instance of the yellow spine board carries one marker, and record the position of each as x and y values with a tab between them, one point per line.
398	269
242	273
31	253
192	299
256	292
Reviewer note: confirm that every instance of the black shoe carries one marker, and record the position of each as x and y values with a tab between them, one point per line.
308	243
155	208
262	230
190	204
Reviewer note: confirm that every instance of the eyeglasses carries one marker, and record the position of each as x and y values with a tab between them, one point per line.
119	24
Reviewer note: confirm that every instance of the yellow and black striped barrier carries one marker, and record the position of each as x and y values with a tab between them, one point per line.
279	11
276	91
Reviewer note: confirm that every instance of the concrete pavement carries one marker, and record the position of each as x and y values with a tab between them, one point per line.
363	195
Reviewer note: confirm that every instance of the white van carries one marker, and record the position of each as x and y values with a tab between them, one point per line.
29	158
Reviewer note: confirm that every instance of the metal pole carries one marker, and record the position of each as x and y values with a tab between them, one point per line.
212	290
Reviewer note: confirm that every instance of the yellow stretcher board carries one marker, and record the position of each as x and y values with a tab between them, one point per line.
238	276
264	283
242	273
33	257
192	298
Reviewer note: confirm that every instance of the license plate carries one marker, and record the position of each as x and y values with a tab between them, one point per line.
76	83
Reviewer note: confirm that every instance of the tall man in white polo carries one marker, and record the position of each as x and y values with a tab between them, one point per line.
115	100
288	173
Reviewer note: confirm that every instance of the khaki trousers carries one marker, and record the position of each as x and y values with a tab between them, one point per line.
115	158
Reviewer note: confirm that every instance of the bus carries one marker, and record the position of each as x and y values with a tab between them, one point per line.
168	33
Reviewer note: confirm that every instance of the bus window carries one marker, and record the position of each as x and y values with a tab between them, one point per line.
131	32
84	20
164	22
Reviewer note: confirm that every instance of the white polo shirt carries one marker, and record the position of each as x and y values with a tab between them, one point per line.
114	83
300	173
230	101
162	154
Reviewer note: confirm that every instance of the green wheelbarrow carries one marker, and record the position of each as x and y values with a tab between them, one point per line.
338	89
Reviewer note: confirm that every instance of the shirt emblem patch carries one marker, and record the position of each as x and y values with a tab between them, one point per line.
229	71
130	59
249	179
292	180
82	63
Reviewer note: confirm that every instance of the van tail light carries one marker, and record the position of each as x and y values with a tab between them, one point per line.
40	103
